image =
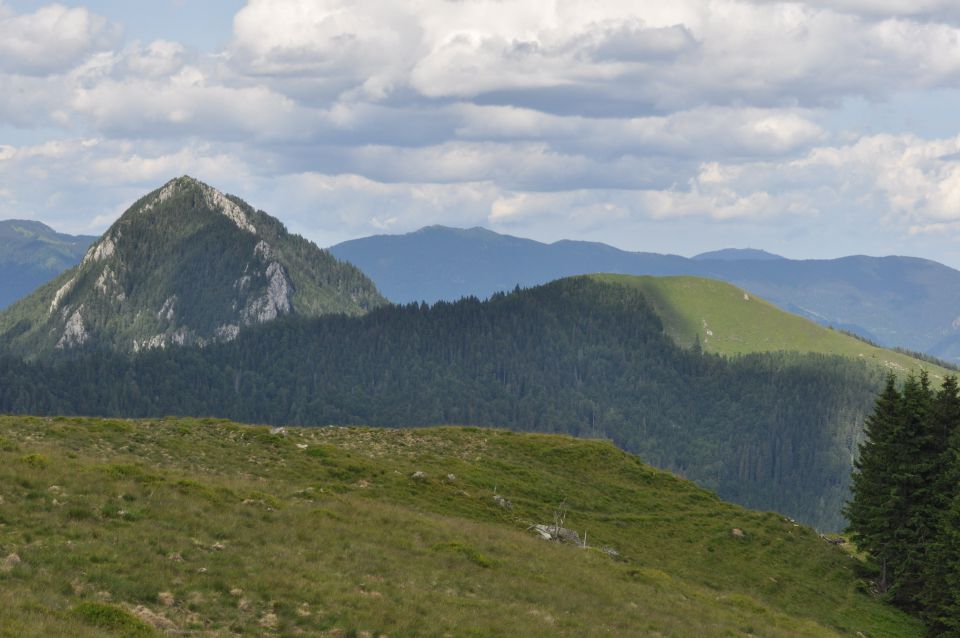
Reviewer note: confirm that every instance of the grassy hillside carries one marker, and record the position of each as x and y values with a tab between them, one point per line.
189	527
731	321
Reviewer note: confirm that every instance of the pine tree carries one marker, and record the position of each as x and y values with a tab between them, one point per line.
941	592
869	510
913	505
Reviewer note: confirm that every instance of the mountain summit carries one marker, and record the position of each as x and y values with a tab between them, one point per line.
184	265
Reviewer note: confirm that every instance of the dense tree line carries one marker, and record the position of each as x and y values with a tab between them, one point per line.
577	356
905	509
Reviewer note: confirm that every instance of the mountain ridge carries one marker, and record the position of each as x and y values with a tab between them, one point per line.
31	254
185	264
896	301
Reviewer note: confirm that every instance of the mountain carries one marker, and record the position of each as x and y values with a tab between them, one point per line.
895	301
185	264
439	263
595	357
32	254
737	254
206	527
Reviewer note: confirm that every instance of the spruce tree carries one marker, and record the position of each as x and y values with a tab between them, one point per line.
941	592
912	505
869	512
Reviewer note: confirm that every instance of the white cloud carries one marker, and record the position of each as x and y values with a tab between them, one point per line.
351	117
612	57
51	39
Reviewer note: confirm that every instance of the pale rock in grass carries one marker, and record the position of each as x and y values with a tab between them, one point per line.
9	563
557	533
74	333
155	620
269	621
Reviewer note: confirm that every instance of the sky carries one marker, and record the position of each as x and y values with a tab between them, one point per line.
812	129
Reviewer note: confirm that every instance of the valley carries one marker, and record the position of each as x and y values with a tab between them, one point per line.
194	304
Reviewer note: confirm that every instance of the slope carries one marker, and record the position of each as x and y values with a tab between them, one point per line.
202	528
730	321
896	301
32	254
578	356
184	265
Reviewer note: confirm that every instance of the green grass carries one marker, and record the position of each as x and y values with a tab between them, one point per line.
731	321
208	528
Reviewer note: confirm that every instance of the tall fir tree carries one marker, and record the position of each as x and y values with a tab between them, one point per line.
912	504
869	510
941	593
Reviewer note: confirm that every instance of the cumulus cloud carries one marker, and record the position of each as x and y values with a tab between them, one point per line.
614	57
351	117
51	39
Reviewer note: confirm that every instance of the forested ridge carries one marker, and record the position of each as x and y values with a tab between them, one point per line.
578	356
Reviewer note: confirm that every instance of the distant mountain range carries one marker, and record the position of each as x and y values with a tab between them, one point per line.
184	265
31	254
895	301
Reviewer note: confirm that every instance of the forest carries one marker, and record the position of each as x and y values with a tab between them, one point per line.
581	357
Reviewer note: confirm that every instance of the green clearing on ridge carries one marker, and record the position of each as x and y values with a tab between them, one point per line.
730	321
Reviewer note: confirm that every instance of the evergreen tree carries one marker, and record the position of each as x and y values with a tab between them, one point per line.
912	505
941	593
869	510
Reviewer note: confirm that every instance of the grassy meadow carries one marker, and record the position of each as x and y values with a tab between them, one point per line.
208	528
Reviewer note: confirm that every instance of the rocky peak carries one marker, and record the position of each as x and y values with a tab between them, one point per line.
214	199
170	272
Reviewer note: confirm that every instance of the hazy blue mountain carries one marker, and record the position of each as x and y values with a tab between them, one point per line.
737	254
896	301
31	254
185	264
